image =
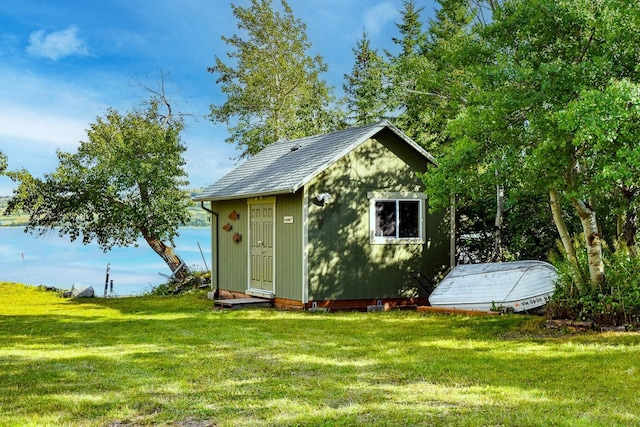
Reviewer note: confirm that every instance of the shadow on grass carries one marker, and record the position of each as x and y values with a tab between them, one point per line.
159	361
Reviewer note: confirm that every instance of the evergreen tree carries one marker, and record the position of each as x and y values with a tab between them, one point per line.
413	37
364	87
405	68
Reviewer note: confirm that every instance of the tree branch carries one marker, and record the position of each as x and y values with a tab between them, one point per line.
436	95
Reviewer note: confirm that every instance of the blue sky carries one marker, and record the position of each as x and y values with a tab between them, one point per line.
64	62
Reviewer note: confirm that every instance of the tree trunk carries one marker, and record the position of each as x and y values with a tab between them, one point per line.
630	230
168	255
497	246
619	227
565	238
630	226
594	243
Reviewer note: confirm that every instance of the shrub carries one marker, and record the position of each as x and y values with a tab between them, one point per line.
194	280
616	302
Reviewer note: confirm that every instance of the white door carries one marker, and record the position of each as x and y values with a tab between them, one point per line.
261	246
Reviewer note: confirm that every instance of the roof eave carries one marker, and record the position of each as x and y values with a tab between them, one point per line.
381	125
342	154
240	196
374	131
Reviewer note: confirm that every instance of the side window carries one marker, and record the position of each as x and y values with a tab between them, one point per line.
397	220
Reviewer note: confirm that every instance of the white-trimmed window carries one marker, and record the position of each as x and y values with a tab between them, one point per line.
396	218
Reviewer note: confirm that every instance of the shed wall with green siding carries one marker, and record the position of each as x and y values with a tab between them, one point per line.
232	260
233	256
343	263
289	249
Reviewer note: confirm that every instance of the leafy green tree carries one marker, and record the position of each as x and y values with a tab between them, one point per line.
364	87
605	123
273	87
431	81
549	82
3	162
122	184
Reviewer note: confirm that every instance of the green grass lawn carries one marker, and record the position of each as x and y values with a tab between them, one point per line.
175	361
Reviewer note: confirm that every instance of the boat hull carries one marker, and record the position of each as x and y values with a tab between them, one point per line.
519	286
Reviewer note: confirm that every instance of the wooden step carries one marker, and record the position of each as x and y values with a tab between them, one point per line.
240	303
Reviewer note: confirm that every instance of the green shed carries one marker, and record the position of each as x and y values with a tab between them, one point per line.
336	221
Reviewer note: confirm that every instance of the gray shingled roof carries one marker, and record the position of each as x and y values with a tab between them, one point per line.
286	166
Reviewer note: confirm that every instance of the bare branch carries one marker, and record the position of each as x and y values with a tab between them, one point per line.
160	96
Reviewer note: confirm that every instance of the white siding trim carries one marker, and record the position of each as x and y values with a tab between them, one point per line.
305	245
266	201
375	196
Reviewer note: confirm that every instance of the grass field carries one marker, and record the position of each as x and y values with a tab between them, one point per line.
175	361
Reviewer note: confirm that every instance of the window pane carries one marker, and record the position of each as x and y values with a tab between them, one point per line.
409	218
386	219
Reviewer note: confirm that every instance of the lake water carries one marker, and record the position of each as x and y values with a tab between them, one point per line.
55	261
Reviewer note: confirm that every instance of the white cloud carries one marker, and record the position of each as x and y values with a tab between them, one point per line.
376	18
30	138
47	111
57	44
43	129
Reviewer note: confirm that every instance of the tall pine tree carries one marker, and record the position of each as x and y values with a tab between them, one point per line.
364	87
404	68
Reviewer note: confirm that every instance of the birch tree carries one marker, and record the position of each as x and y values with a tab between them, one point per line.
553	83
273	86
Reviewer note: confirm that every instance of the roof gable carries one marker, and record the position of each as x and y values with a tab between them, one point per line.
286	166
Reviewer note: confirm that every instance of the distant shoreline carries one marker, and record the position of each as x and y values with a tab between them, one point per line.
56	261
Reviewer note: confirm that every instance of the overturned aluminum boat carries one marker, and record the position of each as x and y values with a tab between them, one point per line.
519	286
